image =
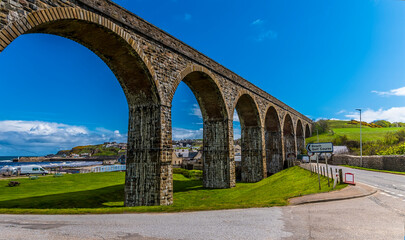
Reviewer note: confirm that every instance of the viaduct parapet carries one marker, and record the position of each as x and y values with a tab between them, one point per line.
149	64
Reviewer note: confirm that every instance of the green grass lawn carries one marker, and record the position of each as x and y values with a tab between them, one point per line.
104	193
353	133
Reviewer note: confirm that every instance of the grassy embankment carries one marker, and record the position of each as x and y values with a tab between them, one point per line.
374	170
103	193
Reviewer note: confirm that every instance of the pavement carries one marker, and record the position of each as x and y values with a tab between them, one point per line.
349	192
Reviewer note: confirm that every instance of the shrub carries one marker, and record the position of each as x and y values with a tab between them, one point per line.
352	144
192	174
400	134
390	138
321	125
394	150
382	123
340	140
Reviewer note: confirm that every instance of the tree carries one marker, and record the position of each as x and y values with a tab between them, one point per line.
382	123
321	125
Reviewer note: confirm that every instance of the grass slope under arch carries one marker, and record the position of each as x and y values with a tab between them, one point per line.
104	192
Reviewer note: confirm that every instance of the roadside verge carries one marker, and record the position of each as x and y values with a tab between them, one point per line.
349	192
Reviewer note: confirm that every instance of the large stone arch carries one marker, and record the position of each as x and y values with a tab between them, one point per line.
100	35
218	166
300	137
273	141
290	153
252	162
307	131
148	177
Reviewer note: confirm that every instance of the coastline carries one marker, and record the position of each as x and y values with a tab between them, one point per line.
64	159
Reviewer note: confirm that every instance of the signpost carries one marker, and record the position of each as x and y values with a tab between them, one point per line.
321	148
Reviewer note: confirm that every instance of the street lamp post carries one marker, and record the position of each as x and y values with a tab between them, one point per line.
361	142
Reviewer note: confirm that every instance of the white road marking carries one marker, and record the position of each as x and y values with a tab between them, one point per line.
393	195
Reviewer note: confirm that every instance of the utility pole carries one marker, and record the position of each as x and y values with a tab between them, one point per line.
361	142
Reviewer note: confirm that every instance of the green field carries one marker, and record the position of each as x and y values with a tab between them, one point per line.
341	128
368	134
378	138
103	193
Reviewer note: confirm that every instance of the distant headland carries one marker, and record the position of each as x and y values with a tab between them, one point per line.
108	151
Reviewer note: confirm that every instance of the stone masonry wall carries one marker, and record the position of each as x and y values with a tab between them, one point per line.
390	163
252	154
300	144
274	152
216	157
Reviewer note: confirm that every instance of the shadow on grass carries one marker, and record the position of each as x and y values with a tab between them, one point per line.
87	199
185	186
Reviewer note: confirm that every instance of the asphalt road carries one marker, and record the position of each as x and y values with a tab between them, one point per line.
391	186
380	216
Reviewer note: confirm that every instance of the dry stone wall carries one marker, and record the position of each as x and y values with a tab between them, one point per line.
390	162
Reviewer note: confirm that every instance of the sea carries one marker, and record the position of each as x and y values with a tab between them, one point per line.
8	161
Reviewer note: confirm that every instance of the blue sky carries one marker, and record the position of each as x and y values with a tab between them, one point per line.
324	58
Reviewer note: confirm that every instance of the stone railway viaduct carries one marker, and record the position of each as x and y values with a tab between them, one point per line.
149	64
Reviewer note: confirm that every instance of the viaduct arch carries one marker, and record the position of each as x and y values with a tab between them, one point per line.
300	137
274	141
149	64
290	151
216	139
253	168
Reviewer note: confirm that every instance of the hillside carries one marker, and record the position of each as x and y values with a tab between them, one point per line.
376	138
106	149
353	133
